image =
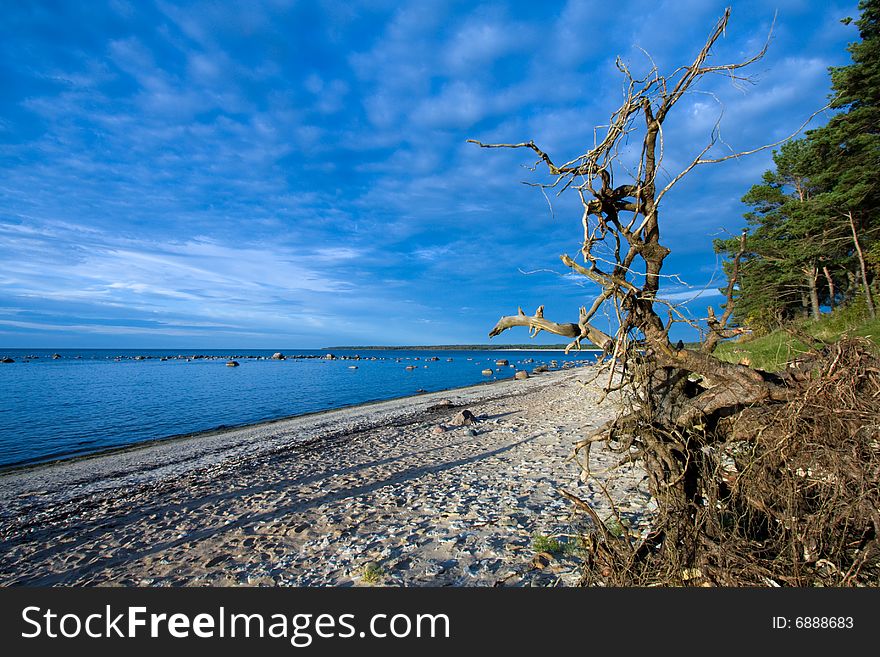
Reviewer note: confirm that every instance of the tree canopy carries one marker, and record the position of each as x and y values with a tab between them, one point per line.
812	224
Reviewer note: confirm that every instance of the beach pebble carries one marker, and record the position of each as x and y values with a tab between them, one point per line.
433	569
439	429
521	375
464	418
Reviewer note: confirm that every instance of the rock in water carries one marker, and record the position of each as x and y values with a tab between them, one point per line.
232	363
7	360
277	356
501	363
488	372
521	375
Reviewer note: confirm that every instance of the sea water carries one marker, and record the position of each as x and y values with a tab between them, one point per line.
57	404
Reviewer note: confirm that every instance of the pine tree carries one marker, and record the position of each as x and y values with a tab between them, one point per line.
814	224
847	149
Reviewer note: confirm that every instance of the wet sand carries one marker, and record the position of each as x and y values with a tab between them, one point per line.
392	487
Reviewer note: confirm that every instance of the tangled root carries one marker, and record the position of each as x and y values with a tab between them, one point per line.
774	494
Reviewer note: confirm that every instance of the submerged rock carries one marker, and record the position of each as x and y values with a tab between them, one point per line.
232	363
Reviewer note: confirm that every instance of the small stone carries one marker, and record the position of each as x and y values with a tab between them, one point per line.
487	372
434	569
521	375
439	429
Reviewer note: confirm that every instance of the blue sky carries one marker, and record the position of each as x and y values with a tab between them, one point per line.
296	174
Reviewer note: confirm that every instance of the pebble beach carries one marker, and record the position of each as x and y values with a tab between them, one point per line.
395	493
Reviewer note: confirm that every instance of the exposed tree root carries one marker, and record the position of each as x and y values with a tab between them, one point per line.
774	493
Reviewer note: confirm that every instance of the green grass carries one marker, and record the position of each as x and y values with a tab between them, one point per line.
372	573
542	543
569	547
771	352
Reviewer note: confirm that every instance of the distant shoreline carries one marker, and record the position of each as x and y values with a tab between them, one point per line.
461	347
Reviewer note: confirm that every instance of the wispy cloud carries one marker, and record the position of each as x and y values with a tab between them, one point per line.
300	169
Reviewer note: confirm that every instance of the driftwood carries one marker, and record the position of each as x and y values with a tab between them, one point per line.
537	323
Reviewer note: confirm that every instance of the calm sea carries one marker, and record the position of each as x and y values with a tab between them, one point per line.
60	403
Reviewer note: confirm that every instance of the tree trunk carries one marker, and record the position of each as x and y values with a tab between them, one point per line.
869	298
812	273
831	291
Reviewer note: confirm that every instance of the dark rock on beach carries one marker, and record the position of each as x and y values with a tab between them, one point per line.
464	418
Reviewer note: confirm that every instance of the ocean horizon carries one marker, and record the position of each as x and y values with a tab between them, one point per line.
57	404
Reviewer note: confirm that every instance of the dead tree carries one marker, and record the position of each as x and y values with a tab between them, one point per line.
686	405
623	219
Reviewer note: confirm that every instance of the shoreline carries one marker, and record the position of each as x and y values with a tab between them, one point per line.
307	501
195	435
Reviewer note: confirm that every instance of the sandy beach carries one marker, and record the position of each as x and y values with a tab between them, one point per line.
394	487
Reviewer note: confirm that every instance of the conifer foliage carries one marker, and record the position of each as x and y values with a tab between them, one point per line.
813	230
